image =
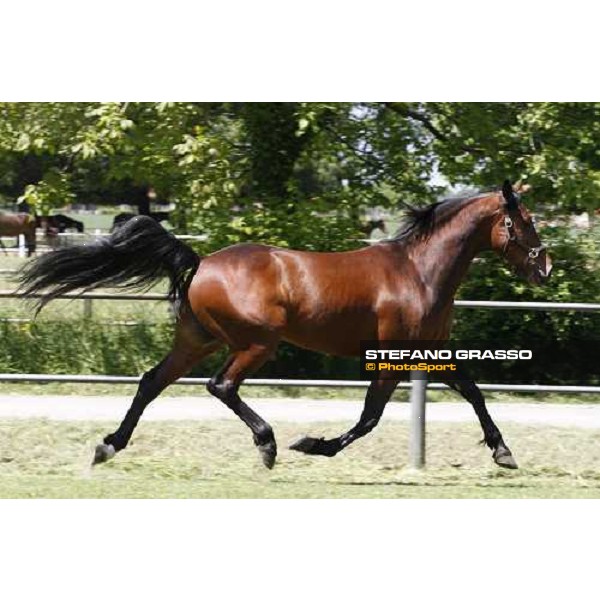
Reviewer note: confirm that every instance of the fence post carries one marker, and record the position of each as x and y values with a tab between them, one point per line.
87	308
418	395
21	243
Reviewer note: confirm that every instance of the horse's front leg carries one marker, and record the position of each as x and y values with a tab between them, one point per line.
378	394
492	437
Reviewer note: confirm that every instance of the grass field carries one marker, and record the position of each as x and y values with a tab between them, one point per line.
216	459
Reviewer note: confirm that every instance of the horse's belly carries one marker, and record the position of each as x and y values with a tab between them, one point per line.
340	337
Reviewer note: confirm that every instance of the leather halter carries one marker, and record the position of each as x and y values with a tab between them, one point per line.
532	253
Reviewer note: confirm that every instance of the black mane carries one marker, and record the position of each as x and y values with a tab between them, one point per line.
419	223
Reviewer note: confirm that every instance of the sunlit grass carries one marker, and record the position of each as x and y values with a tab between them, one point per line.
218	460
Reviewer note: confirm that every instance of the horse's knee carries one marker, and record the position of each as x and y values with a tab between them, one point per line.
148	381
469	391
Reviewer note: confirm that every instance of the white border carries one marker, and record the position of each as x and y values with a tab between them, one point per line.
265	51
297	549
314	50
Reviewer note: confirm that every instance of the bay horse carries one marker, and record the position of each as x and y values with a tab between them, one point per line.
249	297
14	224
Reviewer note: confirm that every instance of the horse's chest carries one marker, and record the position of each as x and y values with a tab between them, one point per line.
415	320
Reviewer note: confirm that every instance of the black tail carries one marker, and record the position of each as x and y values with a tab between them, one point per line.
134	257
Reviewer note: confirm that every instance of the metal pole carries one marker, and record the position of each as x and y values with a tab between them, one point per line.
417	419
87	308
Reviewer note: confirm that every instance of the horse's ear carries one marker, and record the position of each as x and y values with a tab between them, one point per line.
509	196
521	188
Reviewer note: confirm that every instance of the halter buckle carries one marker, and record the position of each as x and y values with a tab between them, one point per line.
510	232
534	253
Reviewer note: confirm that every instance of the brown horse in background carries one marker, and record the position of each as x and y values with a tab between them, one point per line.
14	224
250	297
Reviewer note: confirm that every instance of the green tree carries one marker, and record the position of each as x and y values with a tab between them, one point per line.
301	174
552	145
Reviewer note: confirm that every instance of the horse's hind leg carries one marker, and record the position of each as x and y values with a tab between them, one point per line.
491	434
175	365
224	386
378	394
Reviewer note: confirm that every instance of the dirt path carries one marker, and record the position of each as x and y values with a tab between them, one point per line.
110	408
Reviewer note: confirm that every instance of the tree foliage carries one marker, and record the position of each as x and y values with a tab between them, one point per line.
298	174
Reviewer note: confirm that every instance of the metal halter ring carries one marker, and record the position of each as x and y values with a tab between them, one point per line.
510	234
532	253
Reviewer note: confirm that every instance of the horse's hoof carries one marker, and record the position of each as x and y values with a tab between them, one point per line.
307	445
316	446
268	453
503	458
104	452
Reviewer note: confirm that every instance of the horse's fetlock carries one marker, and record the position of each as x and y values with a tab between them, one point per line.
115	441
493	440
263	435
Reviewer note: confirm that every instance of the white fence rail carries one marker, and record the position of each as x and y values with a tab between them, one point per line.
481	304
89	297
538	306
316	383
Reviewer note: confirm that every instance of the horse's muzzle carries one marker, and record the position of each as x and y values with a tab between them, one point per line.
541	273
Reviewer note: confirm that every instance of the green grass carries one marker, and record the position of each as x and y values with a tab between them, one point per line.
42	459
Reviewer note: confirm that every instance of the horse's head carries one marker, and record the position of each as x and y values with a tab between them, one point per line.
515	238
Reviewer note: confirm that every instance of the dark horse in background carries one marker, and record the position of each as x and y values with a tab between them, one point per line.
53	225
125	217
250	297
14	224
59	224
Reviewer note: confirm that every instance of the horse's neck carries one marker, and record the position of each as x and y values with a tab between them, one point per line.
444	259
